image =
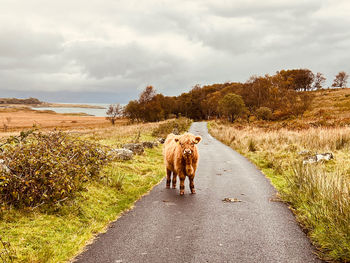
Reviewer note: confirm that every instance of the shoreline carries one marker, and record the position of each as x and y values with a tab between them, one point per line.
63	105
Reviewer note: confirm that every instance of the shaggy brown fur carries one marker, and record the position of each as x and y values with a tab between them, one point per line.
181	158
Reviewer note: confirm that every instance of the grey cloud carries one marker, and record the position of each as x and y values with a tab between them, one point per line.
129	61
118	47
24	42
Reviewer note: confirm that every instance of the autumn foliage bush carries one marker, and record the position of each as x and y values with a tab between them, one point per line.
43	168
264	113
180	125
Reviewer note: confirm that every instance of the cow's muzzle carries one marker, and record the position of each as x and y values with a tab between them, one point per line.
187	152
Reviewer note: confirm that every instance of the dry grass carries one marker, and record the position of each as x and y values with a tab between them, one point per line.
17	119
318	193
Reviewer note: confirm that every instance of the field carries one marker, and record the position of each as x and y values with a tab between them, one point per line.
317	193
57	234
16	119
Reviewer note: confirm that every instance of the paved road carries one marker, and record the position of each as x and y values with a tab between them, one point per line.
164	227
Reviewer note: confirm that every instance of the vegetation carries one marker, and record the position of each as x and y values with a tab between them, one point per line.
57	232
114	112
20	101
231	106
318	193
177	126
40	168
286	94
340	80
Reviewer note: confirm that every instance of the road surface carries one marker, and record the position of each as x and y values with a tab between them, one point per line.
166	227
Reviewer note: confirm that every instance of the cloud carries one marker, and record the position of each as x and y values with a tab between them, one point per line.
116	48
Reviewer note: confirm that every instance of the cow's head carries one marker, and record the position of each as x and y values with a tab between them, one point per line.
187	143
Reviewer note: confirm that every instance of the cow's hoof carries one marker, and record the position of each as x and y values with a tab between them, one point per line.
182	192
167	187
193	191
174	186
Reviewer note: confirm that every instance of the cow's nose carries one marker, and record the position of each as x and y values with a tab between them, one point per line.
187	151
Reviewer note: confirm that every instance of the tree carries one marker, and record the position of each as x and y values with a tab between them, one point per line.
297	79
232	105
133	110
340	80
147	95
319	81
114	111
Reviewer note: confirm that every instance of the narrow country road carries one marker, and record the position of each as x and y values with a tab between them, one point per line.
166	227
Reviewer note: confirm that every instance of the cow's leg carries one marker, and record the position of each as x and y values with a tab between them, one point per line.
182	184
174	180
191	178
168	178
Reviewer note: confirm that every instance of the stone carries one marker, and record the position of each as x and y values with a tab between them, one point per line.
147	144
318	157
122	154
136	148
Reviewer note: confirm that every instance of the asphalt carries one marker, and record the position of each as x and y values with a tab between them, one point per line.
166	227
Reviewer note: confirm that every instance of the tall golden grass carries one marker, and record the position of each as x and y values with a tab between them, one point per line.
319	194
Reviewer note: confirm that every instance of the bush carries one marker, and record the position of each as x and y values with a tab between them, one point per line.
180	124
42	168
264	113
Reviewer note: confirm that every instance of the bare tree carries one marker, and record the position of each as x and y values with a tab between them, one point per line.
340	80
319	80
114	111
147	95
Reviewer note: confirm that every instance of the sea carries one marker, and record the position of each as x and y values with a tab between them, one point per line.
93	112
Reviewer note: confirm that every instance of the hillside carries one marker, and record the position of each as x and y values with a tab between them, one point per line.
329	108
30	101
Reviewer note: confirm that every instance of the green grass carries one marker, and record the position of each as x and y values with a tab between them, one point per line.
59	233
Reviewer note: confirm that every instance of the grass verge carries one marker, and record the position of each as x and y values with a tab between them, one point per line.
58	233
318	194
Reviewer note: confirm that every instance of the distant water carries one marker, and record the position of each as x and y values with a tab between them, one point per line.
94	112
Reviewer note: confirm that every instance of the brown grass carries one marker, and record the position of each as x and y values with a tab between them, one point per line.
21	118
317	193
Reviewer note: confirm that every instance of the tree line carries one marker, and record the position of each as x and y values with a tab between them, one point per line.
269	97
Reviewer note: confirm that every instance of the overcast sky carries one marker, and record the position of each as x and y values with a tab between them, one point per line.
109	50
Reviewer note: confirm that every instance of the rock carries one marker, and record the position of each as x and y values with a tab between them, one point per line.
3	166
136	148
123	154
318	157
161	140
147	144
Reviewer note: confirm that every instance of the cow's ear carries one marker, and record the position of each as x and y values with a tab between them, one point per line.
176	139
197	139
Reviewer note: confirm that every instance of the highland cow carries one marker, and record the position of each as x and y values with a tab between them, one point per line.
181	159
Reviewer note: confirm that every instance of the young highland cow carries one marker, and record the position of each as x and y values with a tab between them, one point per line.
181	159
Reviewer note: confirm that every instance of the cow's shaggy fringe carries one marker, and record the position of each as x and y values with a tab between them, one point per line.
319	194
